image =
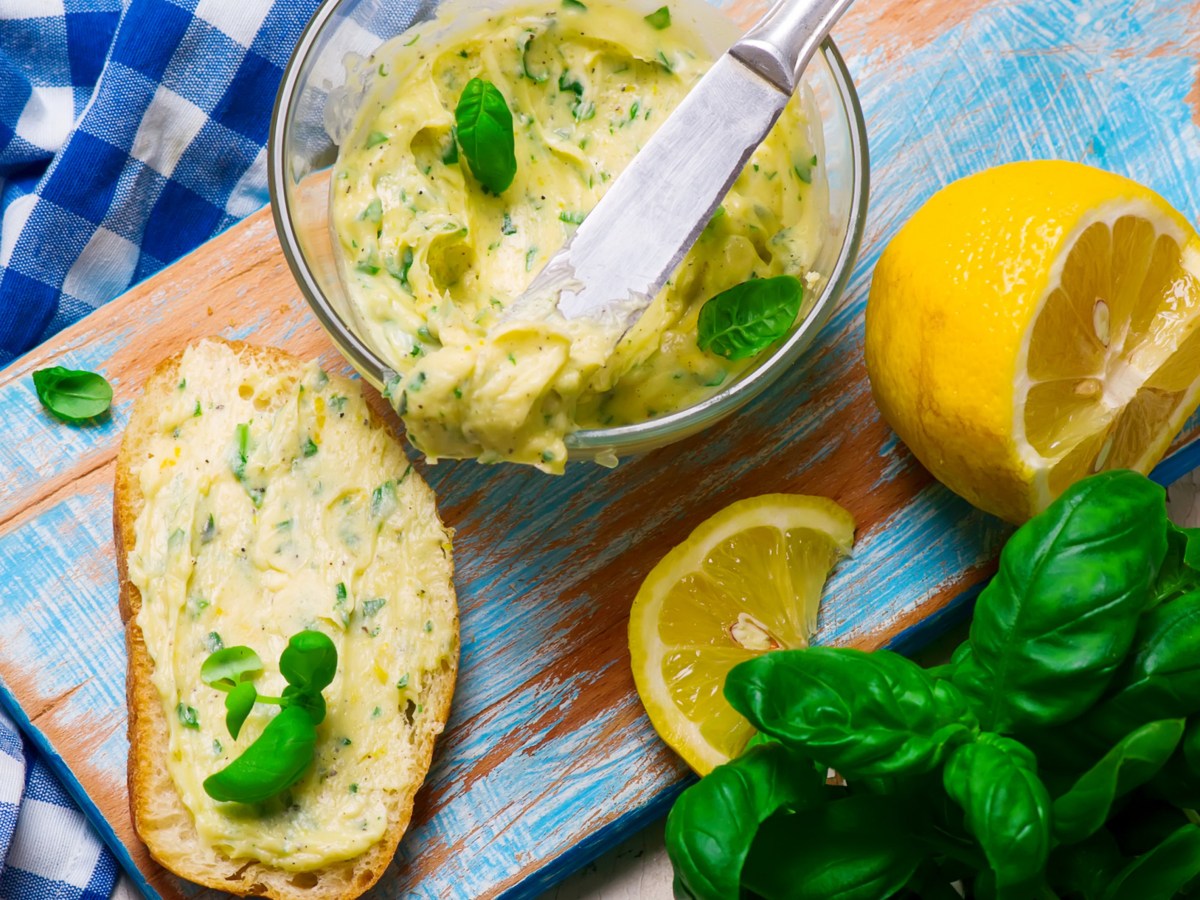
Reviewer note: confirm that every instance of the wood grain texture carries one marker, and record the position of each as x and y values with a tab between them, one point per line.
548	757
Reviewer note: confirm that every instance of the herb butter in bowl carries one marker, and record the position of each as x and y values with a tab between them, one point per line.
418	199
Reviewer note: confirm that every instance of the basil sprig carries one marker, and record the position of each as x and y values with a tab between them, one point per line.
74	395
1056	756
485	135
284	751
749	317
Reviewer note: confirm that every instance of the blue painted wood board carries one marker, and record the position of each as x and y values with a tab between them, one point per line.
548	759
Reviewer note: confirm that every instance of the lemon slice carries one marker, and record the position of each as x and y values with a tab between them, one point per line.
1034	323
747	581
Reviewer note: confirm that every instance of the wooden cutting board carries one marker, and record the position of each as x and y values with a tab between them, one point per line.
548	758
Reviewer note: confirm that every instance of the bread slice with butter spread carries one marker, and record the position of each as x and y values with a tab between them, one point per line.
257	496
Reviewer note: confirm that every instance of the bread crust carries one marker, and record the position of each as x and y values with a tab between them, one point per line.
159	815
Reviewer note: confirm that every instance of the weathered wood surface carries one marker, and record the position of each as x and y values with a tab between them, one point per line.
548	757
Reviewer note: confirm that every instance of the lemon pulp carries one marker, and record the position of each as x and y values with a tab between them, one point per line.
1114	354
747	581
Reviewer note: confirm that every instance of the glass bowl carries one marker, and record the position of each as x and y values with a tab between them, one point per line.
317	98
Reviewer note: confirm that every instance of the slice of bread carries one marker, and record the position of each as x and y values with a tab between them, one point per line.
160	420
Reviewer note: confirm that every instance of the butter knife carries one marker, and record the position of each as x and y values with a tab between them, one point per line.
639	232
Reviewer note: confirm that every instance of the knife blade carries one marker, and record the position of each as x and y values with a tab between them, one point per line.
636	236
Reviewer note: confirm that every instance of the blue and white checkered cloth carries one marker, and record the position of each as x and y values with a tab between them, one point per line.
131	131
51	851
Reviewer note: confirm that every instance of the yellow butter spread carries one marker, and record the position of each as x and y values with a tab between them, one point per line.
431	261
318	524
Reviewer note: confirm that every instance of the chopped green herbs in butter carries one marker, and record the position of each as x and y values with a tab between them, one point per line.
578	81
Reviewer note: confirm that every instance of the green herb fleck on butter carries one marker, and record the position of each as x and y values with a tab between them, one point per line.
241	450
187	715
373	212
804	170
659	19
383	500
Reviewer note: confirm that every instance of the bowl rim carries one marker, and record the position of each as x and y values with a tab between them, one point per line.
587	443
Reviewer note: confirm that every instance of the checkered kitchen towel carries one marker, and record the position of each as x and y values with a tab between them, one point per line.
52	853
130	132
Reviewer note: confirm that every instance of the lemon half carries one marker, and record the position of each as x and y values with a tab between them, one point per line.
747	581
1032	324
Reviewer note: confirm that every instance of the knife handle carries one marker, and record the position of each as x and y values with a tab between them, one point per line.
782	42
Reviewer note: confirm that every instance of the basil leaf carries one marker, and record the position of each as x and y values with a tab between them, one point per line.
74	395
306	699
659	19
485	135
749	317
712	824
309	661
275	761
1161	872
238	703
1054	624
1005	804
1083	810
1178	574
864	714
1160	679
1190	745
1144	824
225	668
1087	868
1178	782
853	849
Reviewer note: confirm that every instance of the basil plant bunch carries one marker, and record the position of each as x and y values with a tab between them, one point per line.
1056	756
